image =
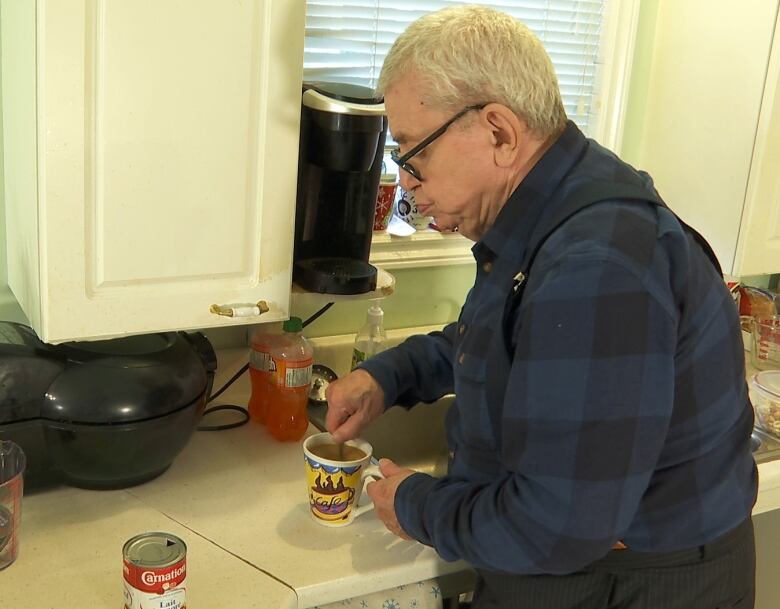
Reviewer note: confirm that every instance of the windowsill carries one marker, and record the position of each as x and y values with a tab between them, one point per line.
427	248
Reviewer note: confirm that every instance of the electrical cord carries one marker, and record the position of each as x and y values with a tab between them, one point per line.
234	407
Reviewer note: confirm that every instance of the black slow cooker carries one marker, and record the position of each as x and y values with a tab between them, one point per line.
104	414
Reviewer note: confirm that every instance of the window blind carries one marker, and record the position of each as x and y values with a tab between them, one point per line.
347	40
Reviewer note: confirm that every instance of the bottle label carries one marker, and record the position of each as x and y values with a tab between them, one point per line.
262	361
358	357
292	374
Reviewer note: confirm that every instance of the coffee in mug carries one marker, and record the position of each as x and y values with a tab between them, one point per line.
336	452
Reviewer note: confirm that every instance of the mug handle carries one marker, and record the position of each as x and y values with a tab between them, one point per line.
372	471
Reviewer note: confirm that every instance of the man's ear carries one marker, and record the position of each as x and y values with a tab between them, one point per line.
508	133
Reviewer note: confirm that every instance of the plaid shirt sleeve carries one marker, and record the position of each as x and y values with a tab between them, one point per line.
418	370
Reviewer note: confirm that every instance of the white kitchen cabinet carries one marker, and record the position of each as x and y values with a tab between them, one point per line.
758	248
150	153
711	131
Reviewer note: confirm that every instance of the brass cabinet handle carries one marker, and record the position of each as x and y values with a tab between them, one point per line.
240	309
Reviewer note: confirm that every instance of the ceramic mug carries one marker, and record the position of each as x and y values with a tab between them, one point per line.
384	201
406	209
335	482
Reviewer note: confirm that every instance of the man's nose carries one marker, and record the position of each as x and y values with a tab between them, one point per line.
407	180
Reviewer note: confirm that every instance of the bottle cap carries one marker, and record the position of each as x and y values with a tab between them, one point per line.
375	314
294	324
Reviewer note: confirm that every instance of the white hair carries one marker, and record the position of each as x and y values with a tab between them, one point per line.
473	54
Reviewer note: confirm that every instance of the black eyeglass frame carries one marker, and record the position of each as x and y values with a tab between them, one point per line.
403	161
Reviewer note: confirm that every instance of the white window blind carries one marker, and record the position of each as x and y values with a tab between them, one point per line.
347	40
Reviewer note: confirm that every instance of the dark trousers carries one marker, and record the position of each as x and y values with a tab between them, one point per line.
718	575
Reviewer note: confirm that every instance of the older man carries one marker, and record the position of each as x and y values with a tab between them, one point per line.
600	433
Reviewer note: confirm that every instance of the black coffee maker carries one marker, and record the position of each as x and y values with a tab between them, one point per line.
343	129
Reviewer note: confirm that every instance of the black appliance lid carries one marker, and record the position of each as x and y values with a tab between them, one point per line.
340	98
27	369
129	351
335	275
127	379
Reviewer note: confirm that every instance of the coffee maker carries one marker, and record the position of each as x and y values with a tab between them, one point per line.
343	129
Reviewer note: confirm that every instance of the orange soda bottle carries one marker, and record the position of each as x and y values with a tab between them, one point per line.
288	395
262	341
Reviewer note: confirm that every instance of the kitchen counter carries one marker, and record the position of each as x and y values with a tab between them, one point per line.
238	499
71	556
246	492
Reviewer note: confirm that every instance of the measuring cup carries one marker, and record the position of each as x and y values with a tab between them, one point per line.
12	463
766	343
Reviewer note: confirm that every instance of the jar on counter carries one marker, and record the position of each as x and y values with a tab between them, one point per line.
765	351
765	395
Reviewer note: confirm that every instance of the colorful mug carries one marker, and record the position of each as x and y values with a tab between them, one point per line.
406	209
384	201
335	483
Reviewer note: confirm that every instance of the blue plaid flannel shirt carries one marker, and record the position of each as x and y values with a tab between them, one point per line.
626	415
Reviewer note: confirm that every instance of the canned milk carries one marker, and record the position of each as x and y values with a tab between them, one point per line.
155	570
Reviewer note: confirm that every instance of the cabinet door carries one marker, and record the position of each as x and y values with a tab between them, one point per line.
709	63
758	251
167	161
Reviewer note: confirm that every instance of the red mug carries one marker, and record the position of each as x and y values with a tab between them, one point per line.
384	203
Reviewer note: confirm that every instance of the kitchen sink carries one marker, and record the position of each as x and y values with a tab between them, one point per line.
412	438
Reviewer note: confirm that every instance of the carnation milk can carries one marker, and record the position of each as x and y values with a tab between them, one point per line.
155	571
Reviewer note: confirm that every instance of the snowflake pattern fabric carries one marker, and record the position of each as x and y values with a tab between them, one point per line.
421	595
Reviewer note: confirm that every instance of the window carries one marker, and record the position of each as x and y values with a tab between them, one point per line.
347	40
590	43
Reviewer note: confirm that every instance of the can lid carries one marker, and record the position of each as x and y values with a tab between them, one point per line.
155	550
768	383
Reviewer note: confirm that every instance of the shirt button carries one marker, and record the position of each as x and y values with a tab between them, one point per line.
462	329
487	267
461	358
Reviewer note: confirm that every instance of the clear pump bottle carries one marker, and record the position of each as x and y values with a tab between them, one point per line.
371	338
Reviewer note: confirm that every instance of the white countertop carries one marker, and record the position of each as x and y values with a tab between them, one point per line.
71	556
238	499
246	492
768	487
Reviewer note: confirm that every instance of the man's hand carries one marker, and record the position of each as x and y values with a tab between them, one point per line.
353	402
382	493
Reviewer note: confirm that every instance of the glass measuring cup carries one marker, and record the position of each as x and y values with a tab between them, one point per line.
12	463
766	342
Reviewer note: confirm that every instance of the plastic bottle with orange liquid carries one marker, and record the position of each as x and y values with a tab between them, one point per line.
262	340
288	395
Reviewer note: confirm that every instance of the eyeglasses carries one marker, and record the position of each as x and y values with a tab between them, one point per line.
403	161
